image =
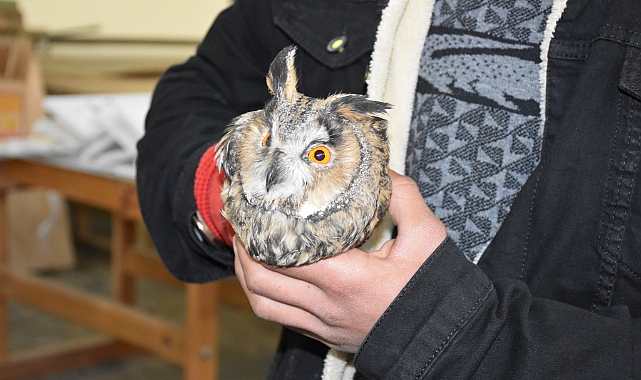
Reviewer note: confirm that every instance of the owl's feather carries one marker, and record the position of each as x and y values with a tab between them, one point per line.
306	178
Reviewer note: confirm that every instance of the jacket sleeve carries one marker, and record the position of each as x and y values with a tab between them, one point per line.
452	322
191	106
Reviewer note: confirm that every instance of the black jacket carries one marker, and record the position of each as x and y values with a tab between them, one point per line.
557	295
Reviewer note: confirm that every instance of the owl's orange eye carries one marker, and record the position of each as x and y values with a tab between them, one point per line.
319	155
267	139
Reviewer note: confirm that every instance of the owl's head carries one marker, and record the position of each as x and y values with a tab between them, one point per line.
299	154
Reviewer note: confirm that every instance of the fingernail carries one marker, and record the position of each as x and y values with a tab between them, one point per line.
234	244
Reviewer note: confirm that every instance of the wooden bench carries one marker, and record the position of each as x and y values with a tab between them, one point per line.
193	346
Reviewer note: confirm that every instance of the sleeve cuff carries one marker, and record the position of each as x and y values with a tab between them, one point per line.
208	184
425	318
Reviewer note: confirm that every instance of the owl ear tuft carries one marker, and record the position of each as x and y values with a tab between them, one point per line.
281	78
356	107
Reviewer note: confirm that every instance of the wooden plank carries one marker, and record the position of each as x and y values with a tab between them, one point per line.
83	228
64	357
64	83
111	318
143	265
95	190
4	310
202	331
112	194
150	267
232	293
123	284
4	327
130	208
3	226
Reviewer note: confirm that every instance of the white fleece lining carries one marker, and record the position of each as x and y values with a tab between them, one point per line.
404	25
555	15
338	366
393	77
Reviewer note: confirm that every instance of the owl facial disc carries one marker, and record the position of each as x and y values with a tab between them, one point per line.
306	178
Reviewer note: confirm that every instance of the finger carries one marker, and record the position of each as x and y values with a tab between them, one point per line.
343	266
298	320
417	225
284	314
260	280
270	309
238	268
407	200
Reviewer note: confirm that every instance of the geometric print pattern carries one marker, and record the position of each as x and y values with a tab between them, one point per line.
475	135
512	20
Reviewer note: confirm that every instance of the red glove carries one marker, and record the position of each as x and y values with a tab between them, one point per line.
208	185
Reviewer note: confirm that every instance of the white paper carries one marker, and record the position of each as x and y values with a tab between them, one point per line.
95	133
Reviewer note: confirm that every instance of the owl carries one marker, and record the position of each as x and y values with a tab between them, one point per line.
306	178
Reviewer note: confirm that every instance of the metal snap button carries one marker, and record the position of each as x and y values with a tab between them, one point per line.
337	44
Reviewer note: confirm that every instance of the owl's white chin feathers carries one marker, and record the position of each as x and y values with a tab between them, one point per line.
283	191
308	209
273	200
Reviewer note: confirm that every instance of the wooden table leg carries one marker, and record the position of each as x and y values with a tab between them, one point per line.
202	331
123	235
4	319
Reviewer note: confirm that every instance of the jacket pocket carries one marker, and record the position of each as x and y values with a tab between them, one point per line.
336	33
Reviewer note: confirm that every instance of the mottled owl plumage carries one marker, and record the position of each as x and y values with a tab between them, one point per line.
306	178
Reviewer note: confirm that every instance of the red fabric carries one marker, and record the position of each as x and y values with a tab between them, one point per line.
208	185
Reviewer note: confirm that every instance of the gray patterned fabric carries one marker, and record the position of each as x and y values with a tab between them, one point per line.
476	131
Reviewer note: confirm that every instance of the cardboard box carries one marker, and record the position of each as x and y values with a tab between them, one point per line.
39	235
21	87
10	17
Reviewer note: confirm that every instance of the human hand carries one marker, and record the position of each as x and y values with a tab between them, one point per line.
338	300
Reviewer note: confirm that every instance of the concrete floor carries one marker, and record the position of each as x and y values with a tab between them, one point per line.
246	343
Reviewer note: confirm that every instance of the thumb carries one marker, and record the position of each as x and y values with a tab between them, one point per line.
409	210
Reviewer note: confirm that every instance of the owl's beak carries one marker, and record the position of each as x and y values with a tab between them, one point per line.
270	179
274	176
275	170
